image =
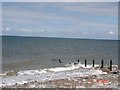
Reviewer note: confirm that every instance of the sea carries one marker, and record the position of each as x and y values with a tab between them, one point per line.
36	56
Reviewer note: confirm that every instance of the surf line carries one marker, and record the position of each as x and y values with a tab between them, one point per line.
110	68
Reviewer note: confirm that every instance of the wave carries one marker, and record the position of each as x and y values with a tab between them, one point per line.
67	67
9	73
69	70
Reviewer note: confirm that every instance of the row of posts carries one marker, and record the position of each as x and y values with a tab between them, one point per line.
102	64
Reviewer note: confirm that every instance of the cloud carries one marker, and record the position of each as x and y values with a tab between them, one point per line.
28	13
61	19
26	30
85	32
104	9
28	17
42	30
60	1
6	29
111	32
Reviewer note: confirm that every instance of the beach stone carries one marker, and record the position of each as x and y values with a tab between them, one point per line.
11	73
85	77
94	76
105	70
115	72
94	80
84	80
32	86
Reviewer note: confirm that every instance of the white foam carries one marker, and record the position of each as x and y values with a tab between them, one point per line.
32	72
1	85
81	65
50	74
68	67
59	69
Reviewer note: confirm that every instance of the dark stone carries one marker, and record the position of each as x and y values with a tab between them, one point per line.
116	72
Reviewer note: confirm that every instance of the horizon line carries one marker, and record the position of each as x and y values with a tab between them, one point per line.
58	37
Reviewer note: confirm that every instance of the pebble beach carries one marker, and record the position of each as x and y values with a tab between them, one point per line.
102	79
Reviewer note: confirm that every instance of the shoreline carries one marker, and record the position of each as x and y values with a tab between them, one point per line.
75	82
94	81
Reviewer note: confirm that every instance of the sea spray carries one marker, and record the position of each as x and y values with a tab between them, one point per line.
51	74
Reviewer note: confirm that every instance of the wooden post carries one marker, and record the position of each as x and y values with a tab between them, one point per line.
110	65
60	61
85	63
93	63
102	64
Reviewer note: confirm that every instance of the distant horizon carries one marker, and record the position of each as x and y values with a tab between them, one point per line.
57	37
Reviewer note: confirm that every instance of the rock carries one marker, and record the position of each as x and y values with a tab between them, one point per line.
11	73
105	70
115	72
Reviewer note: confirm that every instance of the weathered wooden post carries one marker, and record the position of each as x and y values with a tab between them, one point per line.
110	65
60	61
102	64
93	63
85	63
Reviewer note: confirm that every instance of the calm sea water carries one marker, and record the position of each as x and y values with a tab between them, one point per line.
21	53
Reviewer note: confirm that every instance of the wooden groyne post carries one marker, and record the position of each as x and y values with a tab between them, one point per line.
93	63
60	61
110	65
85	63
102	63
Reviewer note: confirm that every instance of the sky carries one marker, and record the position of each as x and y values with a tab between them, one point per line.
60	0
92	20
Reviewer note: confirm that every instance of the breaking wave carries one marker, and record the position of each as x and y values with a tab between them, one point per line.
69	70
